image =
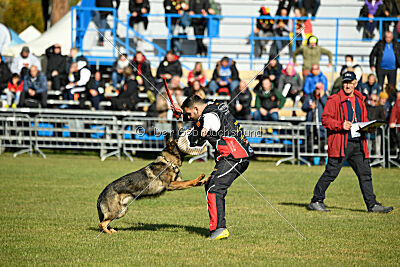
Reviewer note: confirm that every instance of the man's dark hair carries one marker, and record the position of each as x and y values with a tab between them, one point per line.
350	56
225	59
191	101
15	75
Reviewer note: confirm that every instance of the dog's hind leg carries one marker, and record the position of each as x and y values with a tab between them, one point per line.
104	227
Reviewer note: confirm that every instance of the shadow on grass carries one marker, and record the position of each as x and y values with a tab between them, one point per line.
304	205
155	227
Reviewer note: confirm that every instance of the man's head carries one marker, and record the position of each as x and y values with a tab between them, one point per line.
175	82
73	52
284	12
34	71
371	79
297	12
388	37
25	52
349	83
242	86
383	97
97	75
373	100
123	57
57	49
15	78
170	56
266	84
315	69
193	107
225	62
127	71
312	41
349	60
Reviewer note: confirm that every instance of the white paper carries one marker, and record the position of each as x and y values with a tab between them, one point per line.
354	130
286	89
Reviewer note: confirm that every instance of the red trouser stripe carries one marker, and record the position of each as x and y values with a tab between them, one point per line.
212	210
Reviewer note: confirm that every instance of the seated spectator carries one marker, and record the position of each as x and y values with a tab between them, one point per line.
283	28
370	9
35	88
371	86
56	66
24	61
14	88
314	106
142	71
197	89
225	76
311	53
290	83
5	74
128	96
383	101
268	102
375	112
352	65
240	104
74	57
197	73
272	71
137	21
78	78
264	29
311	6
117	75
315	79
96	88
169	67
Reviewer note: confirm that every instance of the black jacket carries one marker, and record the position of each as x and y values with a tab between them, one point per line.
56	62
197	5
133	6
144	70
107	3
99	86
376	113
5	75
242	98
174	68
375	57
172	7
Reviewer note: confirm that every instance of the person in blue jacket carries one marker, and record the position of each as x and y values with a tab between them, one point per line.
315	79
35	87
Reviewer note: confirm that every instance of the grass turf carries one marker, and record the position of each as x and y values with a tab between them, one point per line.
49	216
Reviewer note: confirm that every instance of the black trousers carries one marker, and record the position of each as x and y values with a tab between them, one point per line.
225	172
360	165
199	26
41	97
390	74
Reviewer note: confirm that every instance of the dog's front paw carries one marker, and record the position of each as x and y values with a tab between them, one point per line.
198	180
205	180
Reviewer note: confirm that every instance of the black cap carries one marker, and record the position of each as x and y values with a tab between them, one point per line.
25	49
348	76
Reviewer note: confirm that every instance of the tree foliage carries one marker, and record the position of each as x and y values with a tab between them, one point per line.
18	15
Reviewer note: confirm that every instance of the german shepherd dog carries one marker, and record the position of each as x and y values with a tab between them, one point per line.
151	181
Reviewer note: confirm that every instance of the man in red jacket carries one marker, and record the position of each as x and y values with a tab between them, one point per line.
342	112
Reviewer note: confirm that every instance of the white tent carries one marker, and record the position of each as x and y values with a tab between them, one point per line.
58	33
30	34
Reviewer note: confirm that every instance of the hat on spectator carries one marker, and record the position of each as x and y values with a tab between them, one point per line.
25	49
348	76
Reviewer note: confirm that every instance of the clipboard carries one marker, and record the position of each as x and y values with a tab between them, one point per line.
366	126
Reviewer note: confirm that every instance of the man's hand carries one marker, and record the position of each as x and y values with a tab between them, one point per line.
204	12
321	93
347	125
320	85
139	80
204	132
274	110
222	83
373	69
272	77
312	105
144	10
167	76
263	111
238	107
93	92
120	71
54	73
392	125
134	14
31	92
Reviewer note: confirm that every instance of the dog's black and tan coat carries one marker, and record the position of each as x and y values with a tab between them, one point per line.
154	179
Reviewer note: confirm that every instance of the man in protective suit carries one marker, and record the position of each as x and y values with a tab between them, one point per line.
214	123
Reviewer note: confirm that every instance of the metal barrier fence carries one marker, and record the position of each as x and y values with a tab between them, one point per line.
109	136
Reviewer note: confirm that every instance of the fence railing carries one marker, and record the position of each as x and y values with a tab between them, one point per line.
79	27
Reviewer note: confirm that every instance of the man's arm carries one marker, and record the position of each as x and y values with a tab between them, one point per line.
328	53
43	84
328	117
295	53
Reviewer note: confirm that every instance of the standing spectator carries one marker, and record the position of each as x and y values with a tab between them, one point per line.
311	55
5	74
100	17
176	7
138	8
142	71
78	78
375	112
200	7
128	95
385	59
282	29
96	88
56	66
290	83
340	112
371	86
117	75
14	90
395	120
371	9
35	87
315	79
74	57
24	61
273	70
311	6
286	4
268	102
197	73
354	66
225	75
391	10
169	67
314	105
303	27
240	104
264	29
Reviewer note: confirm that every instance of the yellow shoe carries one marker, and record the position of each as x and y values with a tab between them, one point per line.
6	106
220	233
14	105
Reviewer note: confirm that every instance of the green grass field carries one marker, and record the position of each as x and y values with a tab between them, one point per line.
49	216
